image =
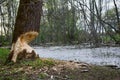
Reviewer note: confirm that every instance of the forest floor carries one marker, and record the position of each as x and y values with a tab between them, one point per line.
49	69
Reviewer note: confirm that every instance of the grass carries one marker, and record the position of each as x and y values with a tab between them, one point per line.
41	69
35	63
23	70
38	63
3	55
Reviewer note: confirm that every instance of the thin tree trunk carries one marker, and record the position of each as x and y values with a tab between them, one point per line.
117	15
26	29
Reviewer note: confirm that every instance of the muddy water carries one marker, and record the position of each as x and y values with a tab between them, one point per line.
98	56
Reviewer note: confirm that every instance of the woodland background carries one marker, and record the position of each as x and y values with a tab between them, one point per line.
95	22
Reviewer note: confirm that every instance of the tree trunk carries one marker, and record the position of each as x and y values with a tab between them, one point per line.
26	29
117	16
94	35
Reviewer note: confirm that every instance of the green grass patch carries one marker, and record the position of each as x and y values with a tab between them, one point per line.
39	63
3	54
35	63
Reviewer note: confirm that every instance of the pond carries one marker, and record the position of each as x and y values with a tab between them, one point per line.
98	56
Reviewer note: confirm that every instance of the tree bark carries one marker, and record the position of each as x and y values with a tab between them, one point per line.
26	29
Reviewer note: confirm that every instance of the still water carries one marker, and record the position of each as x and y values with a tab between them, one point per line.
98	56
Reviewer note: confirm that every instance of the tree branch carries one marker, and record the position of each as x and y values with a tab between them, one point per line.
2	1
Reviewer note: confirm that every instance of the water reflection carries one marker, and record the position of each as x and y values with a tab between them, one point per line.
98	56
